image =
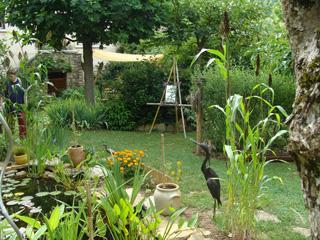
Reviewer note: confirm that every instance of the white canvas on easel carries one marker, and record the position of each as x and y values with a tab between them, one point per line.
170	96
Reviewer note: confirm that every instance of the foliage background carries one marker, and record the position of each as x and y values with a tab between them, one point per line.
242	83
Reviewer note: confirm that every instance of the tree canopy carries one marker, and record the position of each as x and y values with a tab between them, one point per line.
88	22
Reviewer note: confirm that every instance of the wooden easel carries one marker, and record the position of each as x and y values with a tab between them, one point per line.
174	75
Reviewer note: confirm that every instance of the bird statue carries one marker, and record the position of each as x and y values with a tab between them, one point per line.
212	178
107	149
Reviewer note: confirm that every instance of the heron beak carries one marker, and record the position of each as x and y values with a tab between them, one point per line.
204	146
195	142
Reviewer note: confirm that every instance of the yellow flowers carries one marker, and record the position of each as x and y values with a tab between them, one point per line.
110	162
129	161
177	172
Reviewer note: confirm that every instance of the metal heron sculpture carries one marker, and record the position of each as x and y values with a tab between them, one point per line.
3	209
212	178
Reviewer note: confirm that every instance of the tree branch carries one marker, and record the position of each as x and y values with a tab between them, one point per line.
71	40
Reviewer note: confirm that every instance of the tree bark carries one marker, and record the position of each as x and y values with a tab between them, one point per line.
88	72
303	23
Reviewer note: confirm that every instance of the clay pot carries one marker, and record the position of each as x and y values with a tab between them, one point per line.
76	154
167	195
21	159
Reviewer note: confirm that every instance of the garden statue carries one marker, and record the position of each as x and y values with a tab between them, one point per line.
211	177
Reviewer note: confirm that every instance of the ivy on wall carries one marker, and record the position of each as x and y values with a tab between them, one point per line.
53	63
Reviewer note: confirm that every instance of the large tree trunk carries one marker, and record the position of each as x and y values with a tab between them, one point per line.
88	71
303	23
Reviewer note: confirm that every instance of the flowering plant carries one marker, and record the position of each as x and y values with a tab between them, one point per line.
176	171
129	160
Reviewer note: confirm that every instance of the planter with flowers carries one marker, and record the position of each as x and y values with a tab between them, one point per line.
20	155
76	151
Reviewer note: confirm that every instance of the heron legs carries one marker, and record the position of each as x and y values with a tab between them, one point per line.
214	208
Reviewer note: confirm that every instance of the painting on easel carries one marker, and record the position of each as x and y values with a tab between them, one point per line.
171	91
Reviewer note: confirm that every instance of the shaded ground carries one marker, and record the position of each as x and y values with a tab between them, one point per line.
205	222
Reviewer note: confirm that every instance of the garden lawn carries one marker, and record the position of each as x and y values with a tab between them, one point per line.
283	200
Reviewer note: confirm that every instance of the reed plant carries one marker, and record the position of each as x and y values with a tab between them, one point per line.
39	142
247	143
64	113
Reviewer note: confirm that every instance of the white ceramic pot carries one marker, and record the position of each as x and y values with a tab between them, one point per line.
167	195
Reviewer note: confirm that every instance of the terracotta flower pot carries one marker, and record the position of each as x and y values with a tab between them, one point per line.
167	195
76	154
21	159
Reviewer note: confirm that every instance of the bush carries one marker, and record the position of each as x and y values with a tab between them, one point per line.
136	84
73	93
117	116
242	83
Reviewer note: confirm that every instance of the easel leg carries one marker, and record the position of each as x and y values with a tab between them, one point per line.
154	120
180	100
177	119
183	124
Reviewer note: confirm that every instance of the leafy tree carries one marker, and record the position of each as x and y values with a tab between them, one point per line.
273	45
197	19
199	22
88	22
302	21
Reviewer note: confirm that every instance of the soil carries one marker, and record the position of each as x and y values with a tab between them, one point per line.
205	222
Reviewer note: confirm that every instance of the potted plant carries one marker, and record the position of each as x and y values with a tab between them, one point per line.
20	155
167	194
76	151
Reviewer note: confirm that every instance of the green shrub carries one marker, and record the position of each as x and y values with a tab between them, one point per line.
73	93
117	116
136	84
242	83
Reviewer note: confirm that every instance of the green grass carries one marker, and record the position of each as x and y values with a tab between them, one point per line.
284	200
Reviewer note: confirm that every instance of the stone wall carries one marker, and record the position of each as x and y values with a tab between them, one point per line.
75	78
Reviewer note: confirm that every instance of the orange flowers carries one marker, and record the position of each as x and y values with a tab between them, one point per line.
129	161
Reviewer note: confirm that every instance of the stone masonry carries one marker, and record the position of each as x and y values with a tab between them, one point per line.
75	78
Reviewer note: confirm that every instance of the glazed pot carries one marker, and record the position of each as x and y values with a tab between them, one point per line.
21	159
167	195
76	154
